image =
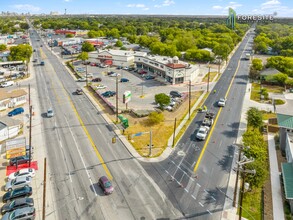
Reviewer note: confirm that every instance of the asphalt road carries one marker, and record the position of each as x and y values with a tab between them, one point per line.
200	193
79	151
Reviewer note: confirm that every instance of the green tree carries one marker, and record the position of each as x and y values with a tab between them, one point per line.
280	78
3	47
289	82
83	56
254	118
21	52
87	47
257	64
162	99
222	50
118	43
155	118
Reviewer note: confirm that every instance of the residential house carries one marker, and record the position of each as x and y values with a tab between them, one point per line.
9	127
10	99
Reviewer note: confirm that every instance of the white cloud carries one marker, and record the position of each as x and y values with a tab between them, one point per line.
67	0
274	7
270	4
26	8
233	5
217	7
136	6
165	3
146	9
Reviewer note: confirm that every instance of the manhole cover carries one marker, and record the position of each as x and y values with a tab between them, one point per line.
181	153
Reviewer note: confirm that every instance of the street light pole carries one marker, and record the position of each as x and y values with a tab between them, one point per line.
116	98
189	96
86	74
208	86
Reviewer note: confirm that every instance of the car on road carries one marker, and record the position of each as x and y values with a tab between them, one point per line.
108	93
26	213
17	204
175	94
30	172
16	111
18	182
6	84
98	79
149	77
114	74
202	133
106	185
124	80
101	86
208	122
78	91
81	79
50	113
19	160
222	102
25	191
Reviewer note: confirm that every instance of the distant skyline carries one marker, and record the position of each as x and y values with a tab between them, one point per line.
283	8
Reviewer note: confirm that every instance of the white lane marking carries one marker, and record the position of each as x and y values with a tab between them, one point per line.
200	204
209	212
193	197
76	145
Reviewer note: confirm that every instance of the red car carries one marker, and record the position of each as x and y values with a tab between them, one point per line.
93	64
142	71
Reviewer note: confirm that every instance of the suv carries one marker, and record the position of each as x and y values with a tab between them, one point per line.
18	182
16	111
17	204
175	94
19	160
78	91
21	214
25	191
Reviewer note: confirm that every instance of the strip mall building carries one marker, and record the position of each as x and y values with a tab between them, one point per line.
167	69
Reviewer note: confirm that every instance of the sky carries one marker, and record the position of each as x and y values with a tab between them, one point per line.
281	8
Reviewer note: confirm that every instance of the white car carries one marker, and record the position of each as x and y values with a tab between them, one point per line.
202	133
101	86
82	79
30	172
222	102
114	74
125	68
6	84
18	182
89	75
50	113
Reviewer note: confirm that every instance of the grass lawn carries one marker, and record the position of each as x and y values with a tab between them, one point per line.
255	90
268	115
212	76
252	204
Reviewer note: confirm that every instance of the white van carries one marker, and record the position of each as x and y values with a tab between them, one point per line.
6	84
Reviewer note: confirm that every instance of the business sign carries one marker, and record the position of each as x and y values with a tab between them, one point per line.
15	148
126	97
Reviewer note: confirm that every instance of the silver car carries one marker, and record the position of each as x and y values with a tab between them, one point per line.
21	214
18	182
50	113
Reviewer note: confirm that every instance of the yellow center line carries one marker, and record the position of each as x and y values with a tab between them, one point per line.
215	122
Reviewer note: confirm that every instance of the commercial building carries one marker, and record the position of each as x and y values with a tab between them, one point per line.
12	98
9	127
167	69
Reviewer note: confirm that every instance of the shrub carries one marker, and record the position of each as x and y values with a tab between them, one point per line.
155	118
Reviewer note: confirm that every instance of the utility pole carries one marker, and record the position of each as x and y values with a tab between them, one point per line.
116	98
189	94
174	133
29	94
150	147
208	87
30	137
86	74
44	189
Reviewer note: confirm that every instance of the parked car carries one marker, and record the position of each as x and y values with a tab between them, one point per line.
202	133
78	91
6	84
110	73
119	67
101	86
50	113
17	204
25	191
104	66
30	172
125	68
89	75
93	64
108	93
149	77
18	182
16	111
19	160
124	80
80	69
106	185
114	74
141	71
175	94
222	102
1	73
27	213
98	79
81	79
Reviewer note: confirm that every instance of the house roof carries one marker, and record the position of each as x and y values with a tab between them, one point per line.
287	171
285	121
269	71
12	94
176	65
9	122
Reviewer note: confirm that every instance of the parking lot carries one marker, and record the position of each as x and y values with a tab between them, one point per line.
143	90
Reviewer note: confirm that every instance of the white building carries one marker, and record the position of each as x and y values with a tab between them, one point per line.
168	69
12	98
9	128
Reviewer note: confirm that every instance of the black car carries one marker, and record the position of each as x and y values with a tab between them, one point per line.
124	80
97	79
25	191
175	94
19	160
108	93
17	204
149	77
